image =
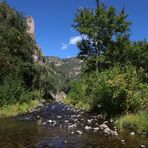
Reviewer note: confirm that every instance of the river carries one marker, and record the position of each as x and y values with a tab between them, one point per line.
56	125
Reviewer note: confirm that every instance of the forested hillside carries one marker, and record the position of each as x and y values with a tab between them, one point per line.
25	74
65	70
24	77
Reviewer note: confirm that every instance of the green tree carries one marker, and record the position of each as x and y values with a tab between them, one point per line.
104	30
16	45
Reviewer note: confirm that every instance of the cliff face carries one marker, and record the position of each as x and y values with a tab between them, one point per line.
31	26
61	71
64	71
69	67
37	56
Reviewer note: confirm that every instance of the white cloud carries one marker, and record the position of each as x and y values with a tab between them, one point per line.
74	40
64	46
68	57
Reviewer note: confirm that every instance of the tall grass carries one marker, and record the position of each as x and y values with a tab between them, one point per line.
16	109
134	122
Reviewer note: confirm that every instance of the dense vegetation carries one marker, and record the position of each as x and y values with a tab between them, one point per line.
25	74
22	79
115	78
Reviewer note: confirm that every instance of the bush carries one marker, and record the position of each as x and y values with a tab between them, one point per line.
113	92
78	96
134	122
16	109
120	92
13	91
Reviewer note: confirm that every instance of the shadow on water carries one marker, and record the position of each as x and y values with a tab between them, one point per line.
22	133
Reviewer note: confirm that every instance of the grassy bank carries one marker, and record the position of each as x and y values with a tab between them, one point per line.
16	109
134	122
80	104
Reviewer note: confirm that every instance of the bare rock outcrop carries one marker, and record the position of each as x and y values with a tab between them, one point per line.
31	26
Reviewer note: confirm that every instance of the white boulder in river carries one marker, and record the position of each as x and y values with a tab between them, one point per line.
132	134
79	132
72	126
88	128
96	129
103	126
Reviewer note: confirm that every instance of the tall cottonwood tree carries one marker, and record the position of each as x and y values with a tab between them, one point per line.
106	31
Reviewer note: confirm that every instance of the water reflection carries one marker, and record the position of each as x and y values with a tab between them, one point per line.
18	134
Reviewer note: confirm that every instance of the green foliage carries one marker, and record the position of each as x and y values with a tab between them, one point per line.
16	109
61	72
104	30
138	54
113	92
78	95
134	122
115	79
13	91
16	45
20	79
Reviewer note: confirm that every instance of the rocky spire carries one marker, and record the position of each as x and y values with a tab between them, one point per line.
31	26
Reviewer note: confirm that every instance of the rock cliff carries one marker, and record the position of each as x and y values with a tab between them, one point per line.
31	26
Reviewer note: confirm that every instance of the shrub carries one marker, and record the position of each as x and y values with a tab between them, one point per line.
113	92
16	109
120	92
77	95
13	91
137	122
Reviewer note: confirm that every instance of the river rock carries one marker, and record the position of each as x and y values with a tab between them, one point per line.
123	141
142	146
44	123
54	121
78	115
103	126
107	131
38	116
105	122
79	132
49	121
72	126
75	120
53	107
88	128
96	129
66	121
89	121
113	133
132	134
59	117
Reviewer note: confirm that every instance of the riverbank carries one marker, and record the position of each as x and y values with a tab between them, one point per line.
17	109
134	122
57	124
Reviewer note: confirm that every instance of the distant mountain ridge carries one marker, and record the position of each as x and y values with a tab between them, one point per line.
70	67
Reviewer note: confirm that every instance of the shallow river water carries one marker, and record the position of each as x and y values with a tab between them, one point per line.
57	125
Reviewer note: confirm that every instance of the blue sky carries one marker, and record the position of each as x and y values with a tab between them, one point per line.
54	18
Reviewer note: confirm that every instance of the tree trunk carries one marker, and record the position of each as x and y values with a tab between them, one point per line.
97	58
